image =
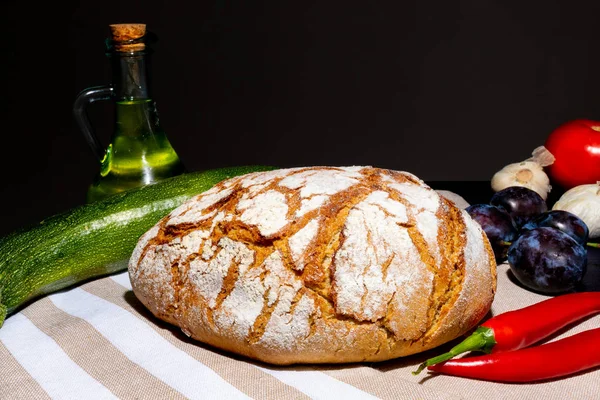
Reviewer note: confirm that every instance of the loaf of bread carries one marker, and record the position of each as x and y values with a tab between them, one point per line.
317	265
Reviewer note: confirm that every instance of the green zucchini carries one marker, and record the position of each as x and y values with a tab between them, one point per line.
91	240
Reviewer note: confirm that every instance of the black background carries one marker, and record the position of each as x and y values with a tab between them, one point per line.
448	90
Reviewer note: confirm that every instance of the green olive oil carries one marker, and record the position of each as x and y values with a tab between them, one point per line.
139	152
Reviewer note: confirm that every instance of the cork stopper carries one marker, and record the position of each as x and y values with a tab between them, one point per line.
128	37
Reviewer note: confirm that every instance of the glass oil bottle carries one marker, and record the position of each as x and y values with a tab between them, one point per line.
139	152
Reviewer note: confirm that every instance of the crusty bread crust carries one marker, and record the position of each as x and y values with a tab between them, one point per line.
317	265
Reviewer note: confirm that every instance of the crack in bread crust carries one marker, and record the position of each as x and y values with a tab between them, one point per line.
324	264
448	282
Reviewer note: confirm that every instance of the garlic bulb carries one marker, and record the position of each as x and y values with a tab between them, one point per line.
458	200
583	201
529	173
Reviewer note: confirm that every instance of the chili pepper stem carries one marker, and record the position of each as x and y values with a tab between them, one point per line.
480	340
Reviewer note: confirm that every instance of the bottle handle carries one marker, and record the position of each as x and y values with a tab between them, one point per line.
82	100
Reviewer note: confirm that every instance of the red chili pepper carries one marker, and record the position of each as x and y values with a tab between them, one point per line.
551	360
520	328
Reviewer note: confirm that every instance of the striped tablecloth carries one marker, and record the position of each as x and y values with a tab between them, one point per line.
97	341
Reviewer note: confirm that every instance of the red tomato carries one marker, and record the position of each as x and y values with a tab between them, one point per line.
576	147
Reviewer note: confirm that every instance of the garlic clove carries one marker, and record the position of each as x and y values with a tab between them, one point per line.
527	173
542	156
583	201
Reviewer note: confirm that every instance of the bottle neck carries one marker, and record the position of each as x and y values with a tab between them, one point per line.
130	75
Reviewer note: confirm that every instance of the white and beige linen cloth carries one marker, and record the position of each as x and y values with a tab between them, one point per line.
97	341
